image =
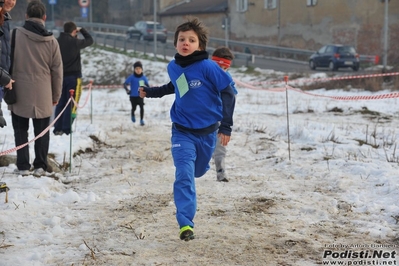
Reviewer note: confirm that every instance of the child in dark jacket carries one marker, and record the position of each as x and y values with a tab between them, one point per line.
223	57
134	81
203	107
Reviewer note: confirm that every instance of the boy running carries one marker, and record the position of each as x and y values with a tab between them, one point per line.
203	107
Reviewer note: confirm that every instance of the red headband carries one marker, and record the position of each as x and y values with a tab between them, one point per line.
222	61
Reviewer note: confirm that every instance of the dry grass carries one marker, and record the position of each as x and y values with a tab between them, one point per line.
368	84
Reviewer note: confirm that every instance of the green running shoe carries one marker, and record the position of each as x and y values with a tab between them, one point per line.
187	233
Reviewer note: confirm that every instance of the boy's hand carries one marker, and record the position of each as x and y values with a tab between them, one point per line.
224	139
142	93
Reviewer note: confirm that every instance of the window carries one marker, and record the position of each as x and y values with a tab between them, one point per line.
311	2
322	50
270	4
242	5
330	49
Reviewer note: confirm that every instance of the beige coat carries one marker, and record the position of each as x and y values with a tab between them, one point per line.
38	73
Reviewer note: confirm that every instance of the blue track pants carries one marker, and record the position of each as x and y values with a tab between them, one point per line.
191	156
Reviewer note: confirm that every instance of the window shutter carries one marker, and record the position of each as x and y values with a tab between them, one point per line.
311	2
270	4
242	5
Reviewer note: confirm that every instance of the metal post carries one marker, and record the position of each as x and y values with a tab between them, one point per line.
226	31
288	117
155	28
91	101
91	14
385	59
279	22
71	93
52	14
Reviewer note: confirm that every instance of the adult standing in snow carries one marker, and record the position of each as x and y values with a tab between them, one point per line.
37	70
70	46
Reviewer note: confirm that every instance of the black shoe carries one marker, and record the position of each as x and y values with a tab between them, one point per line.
221	176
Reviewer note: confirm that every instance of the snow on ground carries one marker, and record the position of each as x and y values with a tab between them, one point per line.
327	193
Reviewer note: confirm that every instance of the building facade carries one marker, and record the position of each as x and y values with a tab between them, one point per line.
302	24
309	24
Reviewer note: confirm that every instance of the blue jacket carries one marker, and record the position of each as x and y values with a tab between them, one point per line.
5	39
203	98
5	43
135	82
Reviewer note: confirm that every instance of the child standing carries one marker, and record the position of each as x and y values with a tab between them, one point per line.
136	80
204	103
223	57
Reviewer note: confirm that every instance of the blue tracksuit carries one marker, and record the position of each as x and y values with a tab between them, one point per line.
203	101
135	82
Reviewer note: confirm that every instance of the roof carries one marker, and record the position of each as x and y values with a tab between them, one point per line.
196	7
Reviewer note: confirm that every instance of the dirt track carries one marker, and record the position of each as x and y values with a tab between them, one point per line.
251	220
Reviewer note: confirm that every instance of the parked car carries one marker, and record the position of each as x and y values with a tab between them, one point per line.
133	33
335	56
146	29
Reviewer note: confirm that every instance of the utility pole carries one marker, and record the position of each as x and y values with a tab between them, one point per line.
225	27
226	30
52	3
52	14
91	14
385	59
155	28
278	21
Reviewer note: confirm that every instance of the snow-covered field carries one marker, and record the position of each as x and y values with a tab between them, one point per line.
328	193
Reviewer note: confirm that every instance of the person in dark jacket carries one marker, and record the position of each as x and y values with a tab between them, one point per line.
70	46
5	38
6	7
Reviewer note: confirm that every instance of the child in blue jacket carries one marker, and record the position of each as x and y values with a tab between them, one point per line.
136	80
203	107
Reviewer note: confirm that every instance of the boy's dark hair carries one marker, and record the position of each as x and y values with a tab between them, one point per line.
223	52
69	27
197	26
36	9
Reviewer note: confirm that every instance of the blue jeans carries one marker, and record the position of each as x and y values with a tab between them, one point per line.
65	121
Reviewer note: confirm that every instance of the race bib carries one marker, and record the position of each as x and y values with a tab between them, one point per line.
182	85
